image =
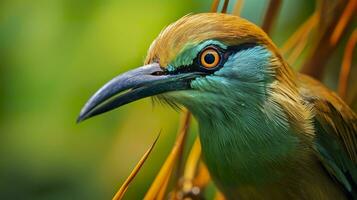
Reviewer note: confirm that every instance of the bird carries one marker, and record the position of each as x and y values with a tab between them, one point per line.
266	131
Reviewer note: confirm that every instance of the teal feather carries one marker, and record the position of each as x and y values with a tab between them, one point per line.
266	132
250	143
190	52
235	127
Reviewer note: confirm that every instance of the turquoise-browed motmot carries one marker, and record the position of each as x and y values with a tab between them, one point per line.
266	131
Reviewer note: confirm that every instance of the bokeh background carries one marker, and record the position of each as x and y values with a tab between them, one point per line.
55	54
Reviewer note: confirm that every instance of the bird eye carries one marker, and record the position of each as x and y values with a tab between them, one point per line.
210	58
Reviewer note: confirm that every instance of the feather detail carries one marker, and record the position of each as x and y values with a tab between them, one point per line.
336	133
266	131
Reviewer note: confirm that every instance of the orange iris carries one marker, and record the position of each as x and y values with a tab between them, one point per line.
210	58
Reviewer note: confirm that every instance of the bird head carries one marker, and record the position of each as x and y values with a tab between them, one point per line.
207	62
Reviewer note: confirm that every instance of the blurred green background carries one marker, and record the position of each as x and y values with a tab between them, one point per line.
54	55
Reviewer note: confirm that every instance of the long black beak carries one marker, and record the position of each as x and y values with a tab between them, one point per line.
139	83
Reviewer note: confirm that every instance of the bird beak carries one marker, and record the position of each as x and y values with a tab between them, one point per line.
133	85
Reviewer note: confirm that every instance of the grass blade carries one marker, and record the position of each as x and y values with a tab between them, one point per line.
119	195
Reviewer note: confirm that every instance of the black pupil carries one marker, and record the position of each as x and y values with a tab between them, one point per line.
209	58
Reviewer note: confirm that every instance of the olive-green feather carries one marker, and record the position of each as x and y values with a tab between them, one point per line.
336	133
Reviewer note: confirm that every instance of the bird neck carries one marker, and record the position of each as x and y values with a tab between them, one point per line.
248	113
247	126
242	143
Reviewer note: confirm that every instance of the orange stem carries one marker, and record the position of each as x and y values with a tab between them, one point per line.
302	43
237	7
159	184
191	165
214	5
202	178
308	25
346	65
343	21
321	51
119	195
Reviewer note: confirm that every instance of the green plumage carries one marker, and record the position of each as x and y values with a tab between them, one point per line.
266	132
249	144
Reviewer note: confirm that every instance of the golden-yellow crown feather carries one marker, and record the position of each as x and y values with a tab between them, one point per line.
229	29
192	29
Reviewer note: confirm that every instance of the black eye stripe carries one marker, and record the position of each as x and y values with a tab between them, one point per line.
224	54
241	47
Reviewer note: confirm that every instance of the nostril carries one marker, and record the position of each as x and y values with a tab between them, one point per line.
158	73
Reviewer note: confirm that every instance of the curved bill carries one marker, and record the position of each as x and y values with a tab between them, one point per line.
145	81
